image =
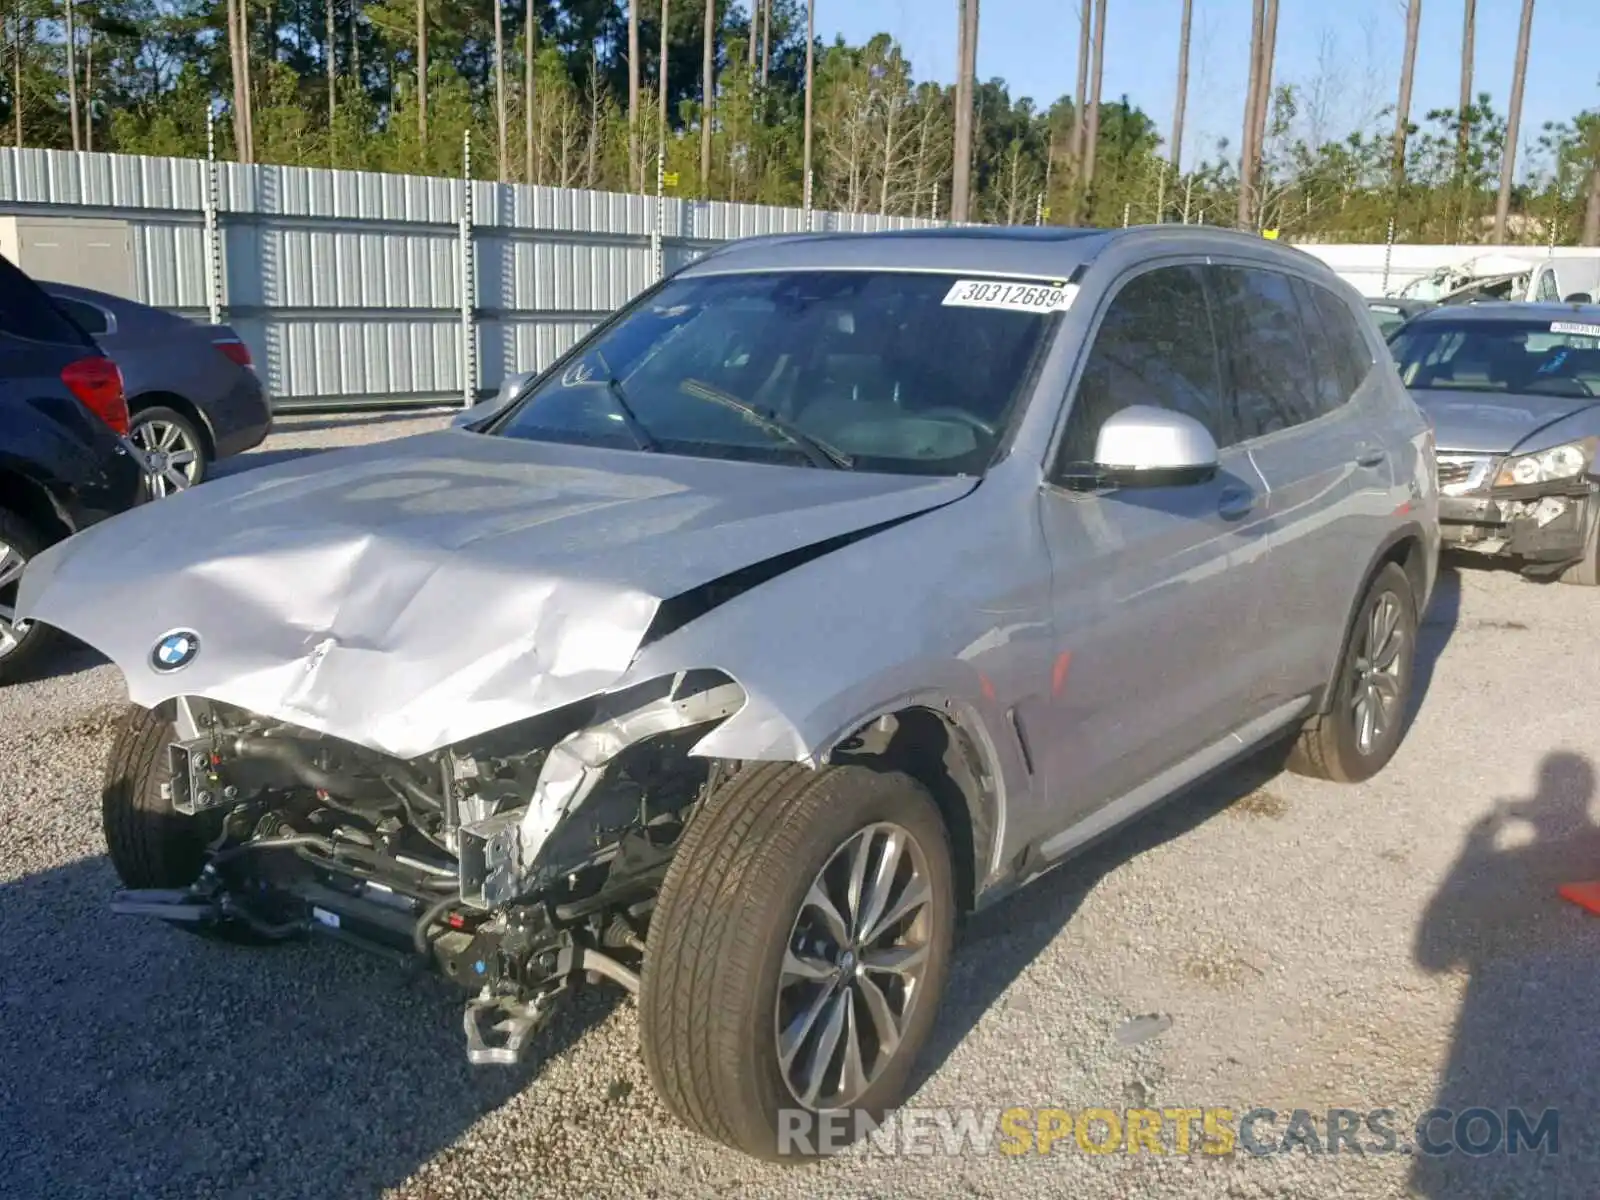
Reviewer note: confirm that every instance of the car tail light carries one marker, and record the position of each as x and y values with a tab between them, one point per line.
98	384
235	350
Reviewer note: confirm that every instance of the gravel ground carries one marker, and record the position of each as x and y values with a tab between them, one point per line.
1394	945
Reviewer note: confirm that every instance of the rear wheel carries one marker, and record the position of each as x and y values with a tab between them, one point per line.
1363	726
174	452
796	956
22	645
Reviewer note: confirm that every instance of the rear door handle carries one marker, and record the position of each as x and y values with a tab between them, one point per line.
1370	456
1235	503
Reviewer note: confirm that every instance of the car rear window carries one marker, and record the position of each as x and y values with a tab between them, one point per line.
26	312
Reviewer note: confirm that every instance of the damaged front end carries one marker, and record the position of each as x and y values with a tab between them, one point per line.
517	863
1545	527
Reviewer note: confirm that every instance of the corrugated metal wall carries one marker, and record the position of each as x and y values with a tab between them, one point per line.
348	285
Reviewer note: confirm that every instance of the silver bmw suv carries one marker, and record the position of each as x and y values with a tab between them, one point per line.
835	587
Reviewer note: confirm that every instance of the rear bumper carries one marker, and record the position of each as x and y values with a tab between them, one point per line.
1544	524
242	419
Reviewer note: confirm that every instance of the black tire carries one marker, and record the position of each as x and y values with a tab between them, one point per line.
151	844
1586	571
36	643
187	430
721	929
1328	746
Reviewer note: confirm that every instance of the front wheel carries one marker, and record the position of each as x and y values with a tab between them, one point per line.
1586	571
796	956
1366	719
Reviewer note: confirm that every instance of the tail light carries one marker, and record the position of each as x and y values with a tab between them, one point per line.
234	350
98	384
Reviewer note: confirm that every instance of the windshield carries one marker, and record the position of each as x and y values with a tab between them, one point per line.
876	371
1513	356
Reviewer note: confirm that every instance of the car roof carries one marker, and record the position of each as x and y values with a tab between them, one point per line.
1047	252
73	292
1511	310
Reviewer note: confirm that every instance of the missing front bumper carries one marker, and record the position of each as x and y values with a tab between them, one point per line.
1550	529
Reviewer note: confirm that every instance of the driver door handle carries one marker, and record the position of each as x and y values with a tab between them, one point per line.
1236	503
1370	456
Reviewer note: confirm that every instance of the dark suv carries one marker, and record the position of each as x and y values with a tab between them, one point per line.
64	463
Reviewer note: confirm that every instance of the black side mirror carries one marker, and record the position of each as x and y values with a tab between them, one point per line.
1580	298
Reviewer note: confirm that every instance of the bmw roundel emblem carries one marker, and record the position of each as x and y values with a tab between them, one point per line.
176	650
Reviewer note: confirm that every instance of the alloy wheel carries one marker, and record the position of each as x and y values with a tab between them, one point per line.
853	967
12	561
171	459
1375	696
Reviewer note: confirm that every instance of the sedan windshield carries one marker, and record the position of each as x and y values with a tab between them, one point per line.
1560	358
876	371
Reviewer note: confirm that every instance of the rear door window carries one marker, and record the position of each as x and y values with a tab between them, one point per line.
1154	346
1352	352
26	312
1272	384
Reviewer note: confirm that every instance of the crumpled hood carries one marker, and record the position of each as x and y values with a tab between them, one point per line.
1493	423
407	595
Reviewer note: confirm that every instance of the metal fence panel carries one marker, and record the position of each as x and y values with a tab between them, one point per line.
347	285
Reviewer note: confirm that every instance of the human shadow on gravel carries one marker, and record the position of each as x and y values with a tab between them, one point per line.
997	944
140	1060
1525	1036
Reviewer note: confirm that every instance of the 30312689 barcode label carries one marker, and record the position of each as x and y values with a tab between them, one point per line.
1011	296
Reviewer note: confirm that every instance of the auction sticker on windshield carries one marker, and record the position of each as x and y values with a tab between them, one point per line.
1577	327
1013	297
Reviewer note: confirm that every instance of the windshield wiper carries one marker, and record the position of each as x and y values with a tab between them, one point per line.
619	394
817	451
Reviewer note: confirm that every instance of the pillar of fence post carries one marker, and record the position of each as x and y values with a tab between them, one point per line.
1127	214
658	250
811	223
469	282
1038	210
1388	255
213	251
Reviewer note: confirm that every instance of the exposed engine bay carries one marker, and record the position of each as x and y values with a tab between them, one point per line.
516	863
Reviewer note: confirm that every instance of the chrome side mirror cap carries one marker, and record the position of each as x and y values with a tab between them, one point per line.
1146	446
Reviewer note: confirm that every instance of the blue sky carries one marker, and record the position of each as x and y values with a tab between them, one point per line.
1352	47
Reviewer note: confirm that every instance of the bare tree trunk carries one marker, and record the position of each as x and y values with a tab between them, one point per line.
1080	97
750	50
333	70
530	52
1464	117
236	70
500	171
1269	53
1402	112
1247	152
662	77
1508	165
355	41
766	40
1591	214
247	91
88	89
635	165
1097	65
72	77
18	42
966	87
811	40
422	70
708	88
1183	86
